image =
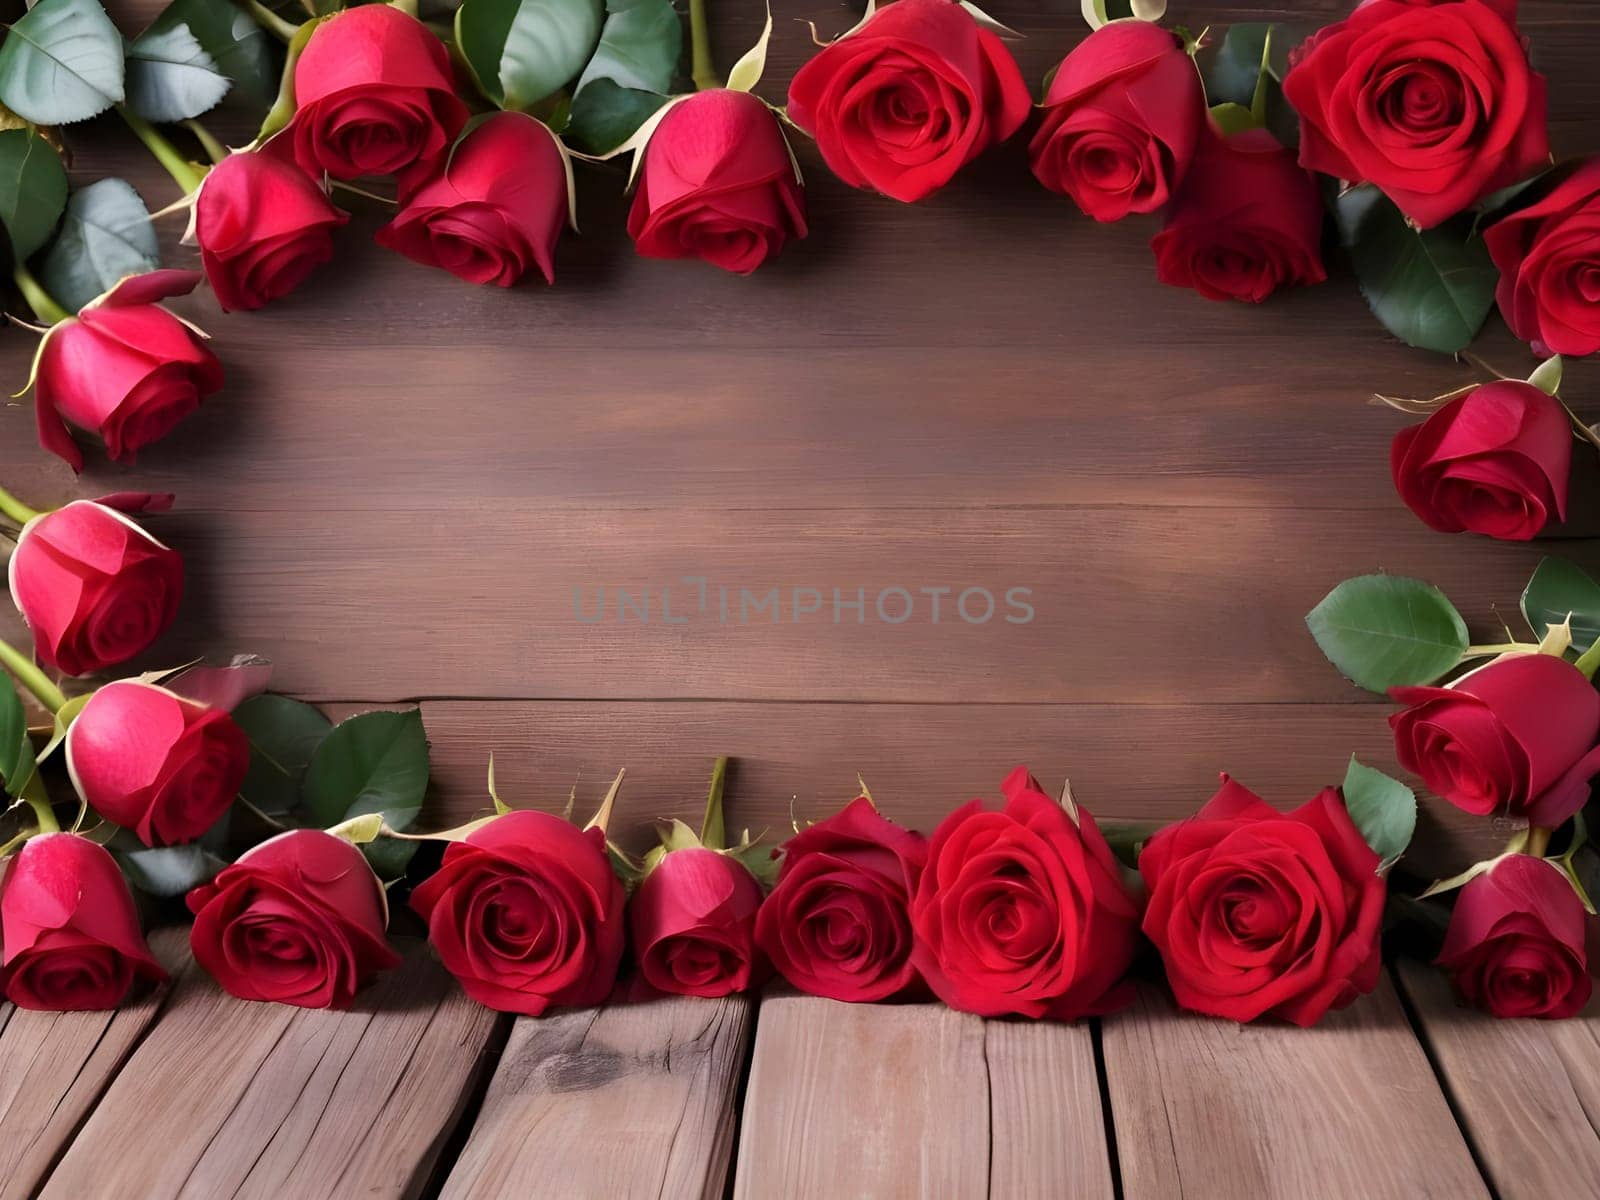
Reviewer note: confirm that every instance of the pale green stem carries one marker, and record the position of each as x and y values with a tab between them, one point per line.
270	21
1502	648
42	302
31	677
184	173
702	70
713	830
214	149
1538	841
1589	661
16	509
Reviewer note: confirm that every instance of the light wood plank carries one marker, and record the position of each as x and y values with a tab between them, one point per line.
1206	1108
888	1101
616	1103
230	1098
1047	1136
54	1066
1528	1092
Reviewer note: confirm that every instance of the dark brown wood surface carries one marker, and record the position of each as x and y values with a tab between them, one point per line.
408	477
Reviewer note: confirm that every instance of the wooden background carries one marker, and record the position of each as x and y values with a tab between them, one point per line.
407	477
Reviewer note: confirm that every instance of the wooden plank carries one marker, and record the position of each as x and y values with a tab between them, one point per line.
1528	1092
229	1098
1047	1136
630	1100
54	1066
1206	1108
1156	763
874	1100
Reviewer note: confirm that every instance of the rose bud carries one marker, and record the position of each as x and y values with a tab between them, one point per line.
1123	117
71	934
495	210
94	588
298	920
373	95
718	183
1495	461
1259	913
1247	222
693	921
1549	260
1432	100
527	913
838	921
263	225
124	369
153	762
1516	942
909	97
1516	737
1024	910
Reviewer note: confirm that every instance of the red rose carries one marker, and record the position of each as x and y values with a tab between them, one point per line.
71	934
909	97
838	922
124	369
1517	736
1515	946
1257	912
718	183
526	913
494	211
693	921
1495	461
1123	118
1024	910
94	588
153	762
373	95
263	225
1247	222
1432	100
298	920
1549	260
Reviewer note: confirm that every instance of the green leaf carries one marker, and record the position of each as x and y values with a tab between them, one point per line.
33	190
1431	288
1233	118
1559	589
106	234
1231	74
605	115
284	734
389	857
168	870
16	748
171	77
1385	631
242	50
521	51
1384	809
62	62
639	47
376	762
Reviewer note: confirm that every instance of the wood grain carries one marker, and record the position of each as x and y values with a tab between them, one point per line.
230	1098
1206	1108
629	1101
54	1067
1527	1092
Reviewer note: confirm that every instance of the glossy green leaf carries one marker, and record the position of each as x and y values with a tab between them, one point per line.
389	857
168	870
1385	631
1384	809
283	734
1232	71
1560	589
521	51
376	762
33	190
244	52
171	77
605	115
105	235
16	748
1431	288
629	76
62	62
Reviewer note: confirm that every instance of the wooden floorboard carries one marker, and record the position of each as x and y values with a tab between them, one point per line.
626	1102
1209	1109
226	1098
1527	1092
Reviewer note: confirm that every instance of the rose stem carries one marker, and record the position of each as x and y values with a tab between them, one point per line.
31	677
184	173
15	509
1538	841
702	71
42	302
214	149
277	26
